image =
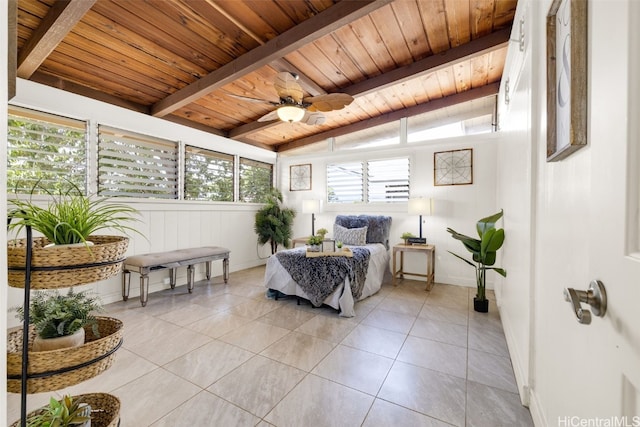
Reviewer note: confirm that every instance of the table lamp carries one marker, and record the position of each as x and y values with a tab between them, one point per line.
311	206
419	206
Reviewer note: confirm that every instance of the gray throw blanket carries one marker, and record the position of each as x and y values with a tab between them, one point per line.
319	277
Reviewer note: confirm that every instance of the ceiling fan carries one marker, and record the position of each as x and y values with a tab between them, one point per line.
294	107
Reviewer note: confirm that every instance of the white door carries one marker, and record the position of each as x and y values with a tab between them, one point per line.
612	351
588	228
606	363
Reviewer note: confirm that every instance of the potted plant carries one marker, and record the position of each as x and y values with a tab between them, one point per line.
405	236
339	245
61	413
315	243
70	217
322	232
59	320
484	251
69	220
274	222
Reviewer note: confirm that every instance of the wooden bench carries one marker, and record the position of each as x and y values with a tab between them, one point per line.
146	263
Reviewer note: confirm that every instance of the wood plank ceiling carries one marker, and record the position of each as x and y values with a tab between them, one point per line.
183	60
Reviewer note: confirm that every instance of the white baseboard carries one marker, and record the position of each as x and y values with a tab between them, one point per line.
537	414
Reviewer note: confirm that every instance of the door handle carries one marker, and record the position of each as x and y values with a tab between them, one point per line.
595	296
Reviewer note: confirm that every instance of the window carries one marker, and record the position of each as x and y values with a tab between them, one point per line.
45	149
378	136
388	180
345	183
208	175
469	118
384	180
256	180
135	165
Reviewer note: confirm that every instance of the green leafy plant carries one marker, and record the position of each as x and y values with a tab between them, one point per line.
61	413
56	315
406	235
322	232
315	240
484	250
274	222
70	216
339	244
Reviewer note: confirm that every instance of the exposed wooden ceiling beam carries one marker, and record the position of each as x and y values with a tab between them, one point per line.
279	64
62	17
458	98
12	47
431	64
68	86
313	28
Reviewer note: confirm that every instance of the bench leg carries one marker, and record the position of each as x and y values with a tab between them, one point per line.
126	282
172	277
208	263
190	275
225	269
144	289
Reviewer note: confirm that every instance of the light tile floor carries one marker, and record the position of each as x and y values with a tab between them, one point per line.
228	356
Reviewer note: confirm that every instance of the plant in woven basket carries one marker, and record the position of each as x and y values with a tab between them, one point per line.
70	216
61	413
55	315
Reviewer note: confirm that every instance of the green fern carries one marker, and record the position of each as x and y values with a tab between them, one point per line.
55	315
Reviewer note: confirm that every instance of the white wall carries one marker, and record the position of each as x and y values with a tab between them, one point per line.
548	238
3	210
166	224
515	194
458	207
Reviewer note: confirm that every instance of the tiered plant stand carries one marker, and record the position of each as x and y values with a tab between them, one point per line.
32	266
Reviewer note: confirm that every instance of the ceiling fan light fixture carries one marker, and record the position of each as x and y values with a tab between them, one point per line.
290	113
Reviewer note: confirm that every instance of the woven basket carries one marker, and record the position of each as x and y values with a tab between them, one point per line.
76	265
105	409
40	362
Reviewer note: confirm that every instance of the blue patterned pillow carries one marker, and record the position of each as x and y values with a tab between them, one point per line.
350	236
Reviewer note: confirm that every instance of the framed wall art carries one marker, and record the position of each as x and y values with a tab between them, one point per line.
566	78
300	177
453	167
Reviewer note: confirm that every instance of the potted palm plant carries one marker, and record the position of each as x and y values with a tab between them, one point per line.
484	251
274	222
59	320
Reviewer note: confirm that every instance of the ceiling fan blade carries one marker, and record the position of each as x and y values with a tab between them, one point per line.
329	102
269	117
287	86
313	118
256	100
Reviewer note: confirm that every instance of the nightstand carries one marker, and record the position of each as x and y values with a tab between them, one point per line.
428	250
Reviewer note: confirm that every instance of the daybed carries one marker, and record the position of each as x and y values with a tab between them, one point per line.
334	280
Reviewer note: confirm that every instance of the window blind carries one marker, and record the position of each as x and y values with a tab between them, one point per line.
256	180
208	175
134	165
45	149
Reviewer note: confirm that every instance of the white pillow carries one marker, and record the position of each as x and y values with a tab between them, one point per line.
350	236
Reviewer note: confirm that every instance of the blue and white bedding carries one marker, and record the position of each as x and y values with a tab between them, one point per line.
341	298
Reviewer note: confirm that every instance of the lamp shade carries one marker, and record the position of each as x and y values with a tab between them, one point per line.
419	206
290	113
310	206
